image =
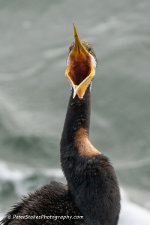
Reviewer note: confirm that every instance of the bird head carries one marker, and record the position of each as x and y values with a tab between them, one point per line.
81	65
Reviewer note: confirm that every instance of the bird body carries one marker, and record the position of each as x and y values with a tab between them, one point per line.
90	175
52	204
92	191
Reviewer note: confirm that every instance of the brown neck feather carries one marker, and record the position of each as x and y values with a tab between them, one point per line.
84	146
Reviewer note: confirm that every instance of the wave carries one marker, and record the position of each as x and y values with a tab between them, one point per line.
103	27
133	164
131	213
22	180
9	173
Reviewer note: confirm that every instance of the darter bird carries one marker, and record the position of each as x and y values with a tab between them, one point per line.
91	196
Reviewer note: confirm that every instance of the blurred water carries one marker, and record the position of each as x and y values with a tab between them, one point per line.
34	39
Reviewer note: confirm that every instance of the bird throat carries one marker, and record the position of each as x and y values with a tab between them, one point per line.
76	126
77	116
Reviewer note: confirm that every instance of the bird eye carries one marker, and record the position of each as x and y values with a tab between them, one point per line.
89	49
70	49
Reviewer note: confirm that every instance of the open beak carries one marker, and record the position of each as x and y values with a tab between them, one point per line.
80	70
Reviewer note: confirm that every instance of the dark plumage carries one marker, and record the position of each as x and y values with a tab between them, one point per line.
90	175
51	200
92	190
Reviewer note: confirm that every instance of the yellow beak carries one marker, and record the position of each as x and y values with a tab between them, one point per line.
80	70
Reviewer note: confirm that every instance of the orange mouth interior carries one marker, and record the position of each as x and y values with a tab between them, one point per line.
79	68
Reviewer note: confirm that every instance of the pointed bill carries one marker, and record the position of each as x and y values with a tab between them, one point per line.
80	70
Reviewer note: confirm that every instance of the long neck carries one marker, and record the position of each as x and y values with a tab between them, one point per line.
78	115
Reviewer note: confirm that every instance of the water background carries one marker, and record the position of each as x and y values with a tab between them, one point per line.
34	40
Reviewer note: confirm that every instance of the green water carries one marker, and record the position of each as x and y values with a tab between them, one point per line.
34	40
